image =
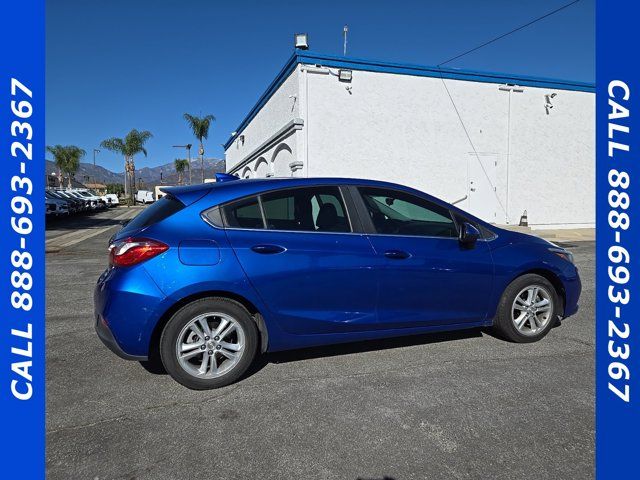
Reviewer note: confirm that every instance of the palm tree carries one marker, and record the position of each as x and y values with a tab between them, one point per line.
67	159
181	166
200	128
129	146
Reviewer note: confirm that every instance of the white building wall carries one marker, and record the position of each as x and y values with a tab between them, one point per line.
268	144
554	158
455	139
407	129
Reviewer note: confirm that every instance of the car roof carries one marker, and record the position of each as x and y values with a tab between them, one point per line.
237	188
248	186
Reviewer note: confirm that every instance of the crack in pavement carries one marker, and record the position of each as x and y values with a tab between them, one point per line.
130	415
289	380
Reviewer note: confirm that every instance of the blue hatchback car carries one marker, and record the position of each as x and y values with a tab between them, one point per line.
212	275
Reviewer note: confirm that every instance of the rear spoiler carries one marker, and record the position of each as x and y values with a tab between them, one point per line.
191	193
225	177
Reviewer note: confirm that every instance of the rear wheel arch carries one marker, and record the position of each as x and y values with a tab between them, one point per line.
154	341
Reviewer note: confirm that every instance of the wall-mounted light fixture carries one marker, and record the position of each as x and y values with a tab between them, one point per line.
301	41
547	102
345	75
510	87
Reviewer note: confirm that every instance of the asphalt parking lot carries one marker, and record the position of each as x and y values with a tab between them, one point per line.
451	406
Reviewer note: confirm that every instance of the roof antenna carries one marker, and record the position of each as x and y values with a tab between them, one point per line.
345	31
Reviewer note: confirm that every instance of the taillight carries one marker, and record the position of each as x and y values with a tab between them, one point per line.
131	251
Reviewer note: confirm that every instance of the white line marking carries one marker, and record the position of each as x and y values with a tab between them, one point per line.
77	236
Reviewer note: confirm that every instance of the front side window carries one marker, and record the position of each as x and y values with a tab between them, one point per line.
314	209
399	213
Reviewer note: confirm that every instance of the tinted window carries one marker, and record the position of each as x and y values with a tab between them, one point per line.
156	212
244	214
214	217
315	209
399	213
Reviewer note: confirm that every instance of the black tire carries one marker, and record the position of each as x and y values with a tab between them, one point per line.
503	323
185	315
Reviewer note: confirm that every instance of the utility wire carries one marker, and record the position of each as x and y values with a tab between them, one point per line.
510	32
477	155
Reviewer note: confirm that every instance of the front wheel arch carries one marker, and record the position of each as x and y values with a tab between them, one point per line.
553	279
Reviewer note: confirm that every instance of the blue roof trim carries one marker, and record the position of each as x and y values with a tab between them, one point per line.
304	56
273	86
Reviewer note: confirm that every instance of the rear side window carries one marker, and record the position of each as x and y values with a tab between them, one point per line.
244	214
315	209
156	212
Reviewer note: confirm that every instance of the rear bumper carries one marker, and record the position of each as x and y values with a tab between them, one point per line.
105	335
125	304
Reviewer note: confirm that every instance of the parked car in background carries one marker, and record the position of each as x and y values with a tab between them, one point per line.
144	196
112	198
214	274
56	206
96	201
74	205
85	204
50	208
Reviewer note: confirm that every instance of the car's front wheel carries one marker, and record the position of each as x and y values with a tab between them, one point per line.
527	310
209	343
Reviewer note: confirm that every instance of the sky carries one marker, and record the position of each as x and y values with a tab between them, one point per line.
117	65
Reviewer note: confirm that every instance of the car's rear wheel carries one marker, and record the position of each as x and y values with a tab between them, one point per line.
527	310
209	343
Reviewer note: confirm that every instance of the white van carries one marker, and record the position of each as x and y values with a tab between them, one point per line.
144	196
111	199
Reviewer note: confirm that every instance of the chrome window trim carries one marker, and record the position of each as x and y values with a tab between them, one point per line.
264	217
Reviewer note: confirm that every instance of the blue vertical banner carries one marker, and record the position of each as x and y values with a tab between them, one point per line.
22	325
617	240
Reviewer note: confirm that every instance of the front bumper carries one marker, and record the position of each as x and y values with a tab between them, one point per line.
572	290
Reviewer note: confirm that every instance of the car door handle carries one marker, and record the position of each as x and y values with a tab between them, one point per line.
396	254
268	249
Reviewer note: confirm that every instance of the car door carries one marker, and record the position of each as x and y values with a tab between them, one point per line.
427	277
308	263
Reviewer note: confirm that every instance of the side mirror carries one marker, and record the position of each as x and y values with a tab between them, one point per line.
469	234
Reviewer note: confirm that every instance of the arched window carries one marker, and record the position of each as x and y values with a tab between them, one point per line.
247	173
281	159
262	168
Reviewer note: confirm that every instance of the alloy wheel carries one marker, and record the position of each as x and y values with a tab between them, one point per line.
532	310
210	345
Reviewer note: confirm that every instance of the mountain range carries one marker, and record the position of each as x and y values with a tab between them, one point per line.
151	176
